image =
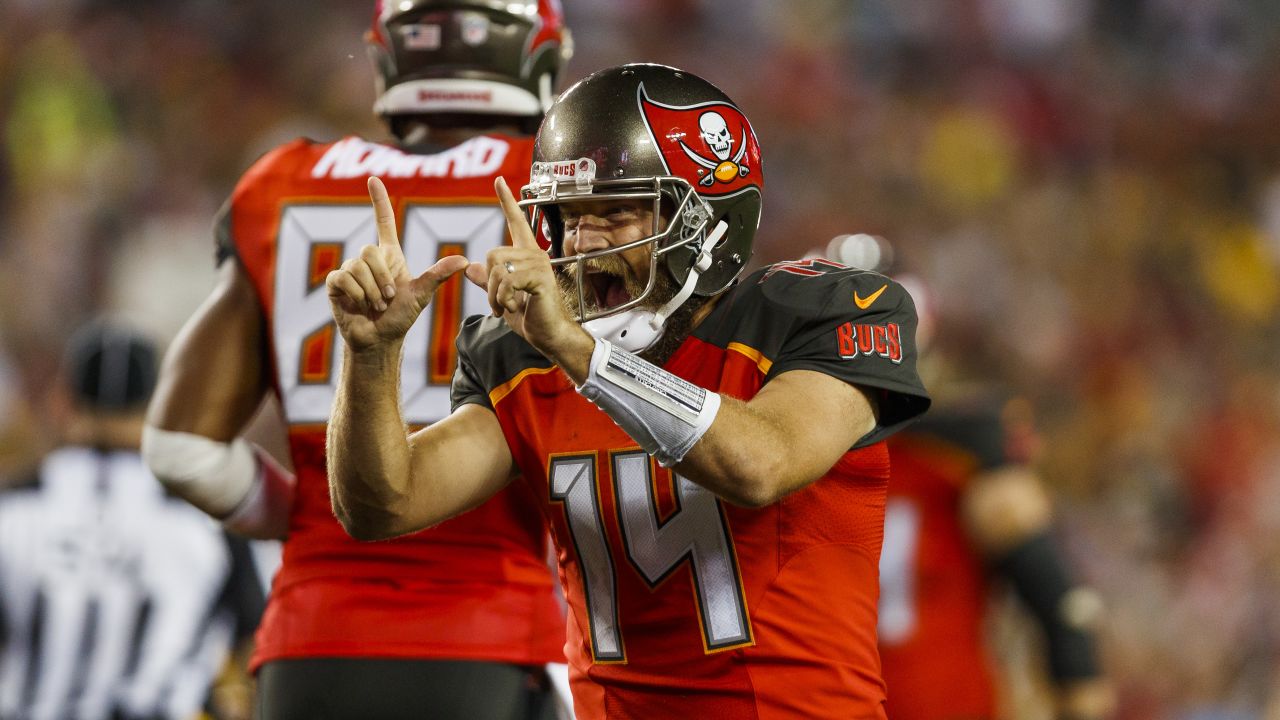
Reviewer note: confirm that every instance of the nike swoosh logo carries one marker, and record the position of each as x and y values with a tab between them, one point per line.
864	303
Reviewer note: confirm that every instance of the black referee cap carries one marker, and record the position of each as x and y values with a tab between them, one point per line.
110	367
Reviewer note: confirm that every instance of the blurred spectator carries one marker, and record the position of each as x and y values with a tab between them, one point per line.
117	601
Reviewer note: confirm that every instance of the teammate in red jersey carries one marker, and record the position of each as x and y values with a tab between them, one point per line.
708	449
965	508
454	619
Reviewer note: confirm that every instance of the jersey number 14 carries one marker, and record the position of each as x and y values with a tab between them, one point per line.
695	533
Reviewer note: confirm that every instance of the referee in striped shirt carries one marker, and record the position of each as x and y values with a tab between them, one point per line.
116	601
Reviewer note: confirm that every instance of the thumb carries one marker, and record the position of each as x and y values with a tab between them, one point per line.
478	274
424	286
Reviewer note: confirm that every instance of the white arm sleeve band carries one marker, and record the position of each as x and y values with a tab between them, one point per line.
661	412
230	481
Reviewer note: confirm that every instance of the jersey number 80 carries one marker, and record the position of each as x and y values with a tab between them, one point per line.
314	240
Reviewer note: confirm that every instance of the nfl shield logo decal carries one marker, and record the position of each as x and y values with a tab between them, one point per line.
475	30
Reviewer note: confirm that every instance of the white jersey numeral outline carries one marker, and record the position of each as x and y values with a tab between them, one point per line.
897	615
314	239
695	532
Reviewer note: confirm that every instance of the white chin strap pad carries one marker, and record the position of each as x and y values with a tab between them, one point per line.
632	330
664	414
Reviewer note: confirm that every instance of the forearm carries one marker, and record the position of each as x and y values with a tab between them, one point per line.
571	351
368	452
745	457
754	454
211	384
748	453
746	441
1069	613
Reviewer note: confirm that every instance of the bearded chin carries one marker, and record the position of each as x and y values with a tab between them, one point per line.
675	329
663	288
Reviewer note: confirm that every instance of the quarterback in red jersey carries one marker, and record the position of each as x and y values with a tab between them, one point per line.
708	449
384	630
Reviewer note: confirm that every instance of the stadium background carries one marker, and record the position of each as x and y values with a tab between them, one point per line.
1092	190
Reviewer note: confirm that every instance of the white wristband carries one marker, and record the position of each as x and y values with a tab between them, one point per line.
214	476
663	413
235	482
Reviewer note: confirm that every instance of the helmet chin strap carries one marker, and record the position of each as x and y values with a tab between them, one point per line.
635	330
691	280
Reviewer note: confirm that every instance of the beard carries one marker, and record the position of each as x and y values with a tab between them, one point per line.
608	281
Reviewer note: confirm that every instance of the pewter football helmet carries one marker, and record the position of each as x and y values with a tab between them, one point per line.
492	57
652	132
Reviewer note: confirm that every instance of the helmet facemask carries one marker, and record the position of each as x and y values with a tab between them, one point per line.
680	219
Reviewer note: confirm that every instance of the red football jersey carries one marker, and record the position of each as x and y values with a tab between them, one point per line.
681	605
475	587
933	585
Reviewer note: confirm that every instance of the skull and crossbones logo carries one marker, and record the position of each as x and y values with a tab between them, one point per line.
715	133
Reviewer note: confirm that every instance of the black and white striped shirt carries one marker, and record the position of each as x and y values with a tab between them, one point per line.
117	600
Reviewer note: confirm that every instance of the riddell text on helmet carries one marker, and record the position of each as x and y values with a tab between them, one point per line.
354	157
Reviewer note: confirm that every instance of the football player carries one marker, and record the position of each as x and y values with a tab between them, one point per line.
708	448
966	508
458	619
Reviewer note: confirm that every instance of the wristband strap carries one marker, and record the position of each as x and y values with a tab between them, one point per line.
664	414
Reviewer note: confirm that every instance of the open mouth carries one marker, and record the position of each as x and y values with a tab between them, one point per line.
610	289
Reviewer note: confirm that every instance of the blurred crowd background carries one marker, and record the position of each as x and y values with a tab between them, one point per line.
1091	189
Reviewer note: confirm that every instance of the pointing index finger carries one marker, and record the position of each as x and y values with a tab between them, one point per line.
517	222
383	213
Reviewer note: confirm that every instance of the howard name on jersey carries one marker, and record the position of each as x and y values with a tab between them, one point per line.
478	585
682	605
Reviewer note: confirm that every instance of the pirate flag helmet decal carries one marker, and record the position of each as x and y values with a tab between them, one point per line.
652	132
720	144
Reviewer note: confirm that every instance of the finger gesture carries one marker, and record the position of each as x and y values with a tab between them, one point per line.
521	284
373	297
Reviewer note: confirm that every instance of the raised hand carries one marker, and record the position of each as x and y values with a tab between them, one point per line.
374	298
522	286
